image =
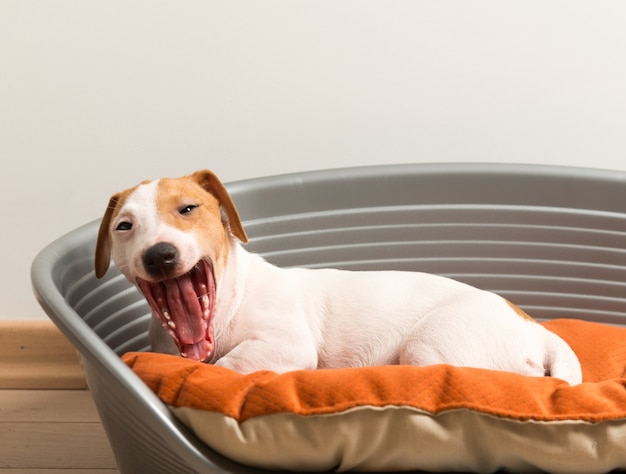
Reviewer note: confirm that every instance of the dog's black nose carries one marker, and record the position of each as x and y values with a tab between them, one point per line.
160	259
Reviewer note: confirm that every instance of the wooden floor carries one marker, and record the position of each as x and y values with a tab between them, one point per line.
48	421
52	431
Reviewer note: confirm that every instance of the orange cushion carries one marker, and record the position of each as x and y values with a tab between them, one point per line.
402	417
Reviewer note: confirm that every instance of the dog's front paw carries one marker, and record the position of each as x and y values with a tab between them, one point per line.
246	365
238	365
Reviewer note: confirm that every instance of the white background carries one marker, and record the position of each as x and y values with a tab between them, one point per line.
98	95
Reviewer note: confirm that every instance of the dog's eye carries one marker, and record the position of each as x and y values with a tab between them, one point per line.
186	209
124	226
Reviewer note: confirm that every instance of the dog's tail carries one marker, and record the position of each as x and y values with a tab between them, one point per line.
561	361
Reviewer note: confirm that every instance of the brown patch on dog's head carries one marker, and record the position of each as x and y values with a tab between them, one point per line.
201	188
211	184
199	205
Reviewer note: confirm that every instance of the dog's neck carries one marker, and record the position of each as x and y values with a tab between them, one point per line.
231	286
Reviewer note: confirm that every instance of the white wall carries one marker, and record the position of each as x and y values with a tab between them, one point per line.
97	95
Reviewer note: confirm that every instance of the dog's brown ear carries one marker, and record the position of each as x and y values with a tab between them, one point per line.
103	244
213	185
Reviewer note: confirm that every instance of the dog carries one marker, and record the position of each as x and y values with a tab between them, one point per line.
179	240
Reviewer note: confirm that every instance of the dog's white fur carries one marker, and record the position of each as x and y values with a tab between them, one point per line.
266	317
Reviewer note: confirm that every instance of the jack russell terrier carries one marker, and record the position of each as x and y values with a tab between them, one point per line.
178	240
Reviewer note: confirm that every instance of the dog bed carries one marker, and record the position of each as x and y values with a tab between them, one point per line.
529	233
438	418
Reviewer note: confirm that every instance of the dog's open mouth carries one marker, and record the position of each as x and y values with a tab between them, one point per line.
185	306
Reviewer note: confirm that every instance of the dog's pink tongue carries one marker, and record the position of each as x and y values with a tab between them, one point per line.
185	309
190	318
184	306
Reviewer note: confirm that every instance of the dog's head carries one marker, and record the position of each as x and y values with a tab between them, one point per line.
171	237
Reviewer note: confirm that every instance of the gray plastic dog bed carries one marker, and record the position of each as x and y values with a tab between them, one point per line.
550	239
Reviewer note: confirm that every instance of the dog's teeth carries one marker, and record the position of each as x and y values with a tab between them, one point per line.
166	314
206	312
183	354
171	324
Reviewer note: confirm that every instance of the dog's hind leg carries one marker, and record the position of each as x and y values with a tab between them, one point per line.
561	361
425	345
